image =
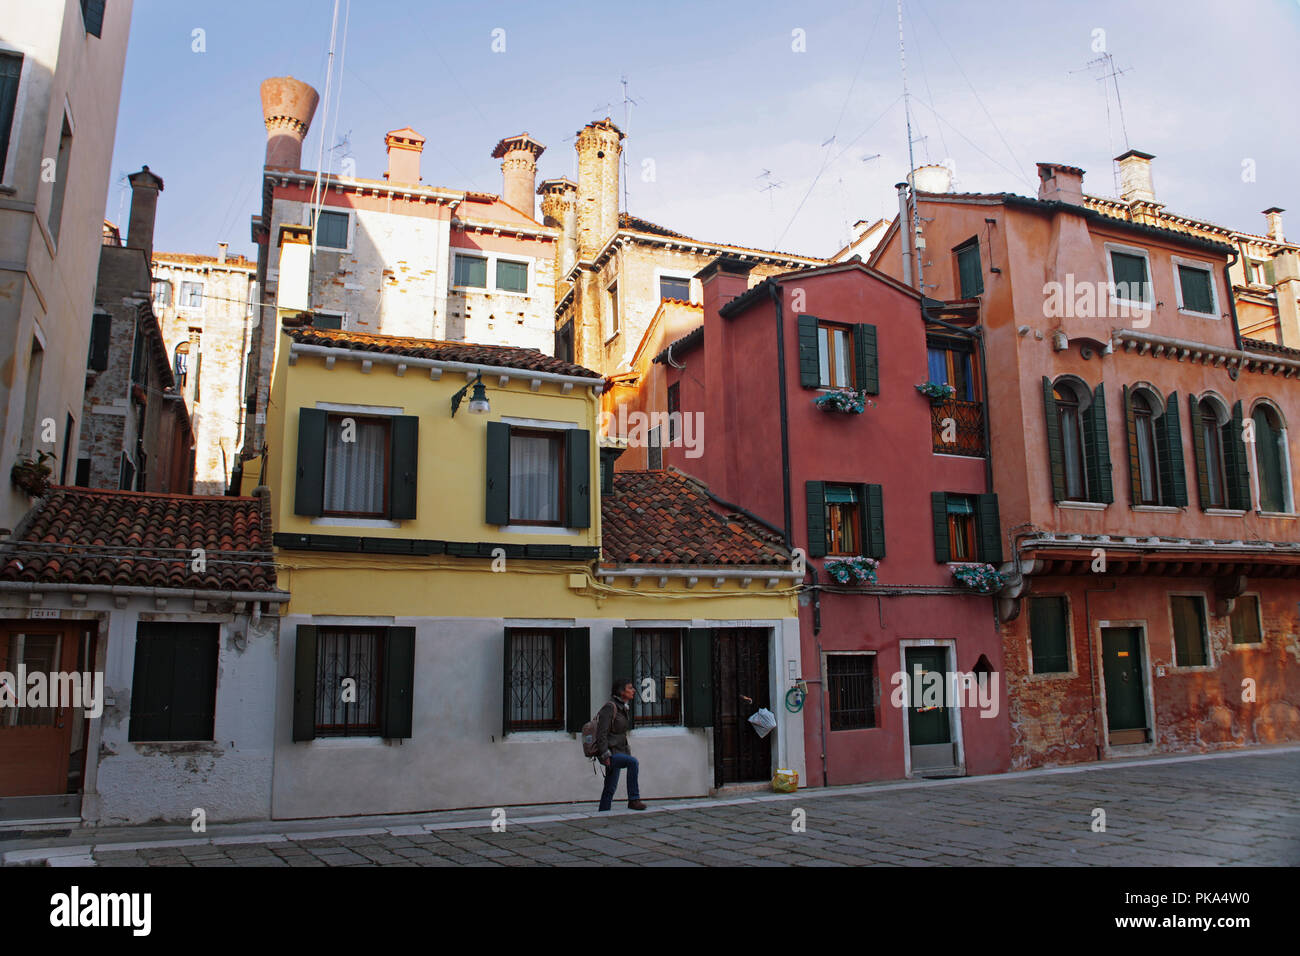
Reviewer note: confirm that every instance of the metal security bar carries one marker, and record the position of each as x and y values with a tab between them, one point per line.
348	708
657	655
536	680
850	680
958	428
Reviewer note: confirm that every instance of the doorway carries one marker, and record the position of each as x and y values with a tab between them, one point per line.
36	742
740	688
1126	709
929	719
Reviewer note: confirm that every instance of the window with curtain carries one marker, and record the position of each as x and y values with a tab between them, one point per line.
949	364
657	655
1270	460
162	293
356	466
512	276
961	528
354	655
835	351
192	295
843	520
536	477
536	679
1215	468
1068	411
1148	467
181	363
470	271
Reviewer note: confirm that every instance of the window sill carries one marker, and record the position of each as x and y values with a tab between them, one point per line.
345	743
541	529
1246	645
1290	516
1054	675
536	736
469	288
1132	305
1198	315
355	523
1189	669
1225	512
1083	505
661	730
1157	509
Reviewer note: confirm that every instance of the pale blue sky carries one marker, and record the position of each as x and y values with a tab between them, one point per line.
722	97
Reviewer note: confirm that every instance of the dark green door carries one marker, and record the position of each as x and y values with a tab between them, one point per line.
1126	712
929	721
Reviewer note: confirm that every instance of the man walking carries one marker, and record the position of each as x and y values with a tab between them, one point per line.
611	740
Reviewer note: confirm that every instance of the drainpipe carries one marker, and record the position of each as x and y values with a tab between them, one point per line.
905	231
1092	668
1232	301
774	292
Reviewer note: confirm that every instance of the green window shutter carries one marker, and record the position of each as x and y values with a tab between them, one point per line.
875	515
577	678
498	473
193	682
697	704
939	511
622	658
153	659
866	358
1196	288
1269	277
507	684
1268	458
1049	635
101	331
970	275
816	494
404	461
990	529
1234	451
1198	450
1055	456
1173	476
399	680
1097	448
309	492
304	684
810	369
1130	442
577	478
94	11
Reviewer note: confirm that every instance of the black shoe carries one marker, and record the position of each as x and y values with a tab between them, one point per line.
635	805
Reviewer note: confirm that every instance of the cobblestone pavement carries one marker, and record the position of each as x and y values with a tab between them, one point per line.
1238	810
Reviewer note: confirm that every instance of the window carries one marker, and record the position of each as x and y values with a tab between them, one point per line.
1155	448
564	342
327	320
1222	470
674	411
1259	272
1128	273
1189	630
654	449
1195	289
537	476
126	477
1213	463
39	654
672	287
470	272
970	276
181	363
536	679
1144	438
174	688
92	13
1271	461
60	186
31	400
11	67
1049	634
851	686
1071	425
952	363
1078	443
657	656
332	230
611	301
101	331
353	682
512	276
356	466
69	424
162	293
198	376
1245	620
966	527
191	295
838	356
843	520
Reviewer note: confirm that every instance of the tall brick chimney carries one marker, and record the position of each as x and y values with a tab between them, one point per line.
1135	176
404	148
518	155
560	211
1060	183
287	108
1273	215
145	187
599	145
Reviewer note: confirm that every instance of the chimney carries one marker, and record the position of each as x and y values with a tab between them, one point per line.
1274	216
518	155
722	280
222	248
145	187
291	292
934	178
1286	273
560	211
599	145
1060	183
1135	176
404	148
287	108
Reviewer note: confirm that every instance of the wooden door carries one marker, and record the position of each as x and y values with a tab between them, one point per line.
35	741
1126	712
740	687
929	724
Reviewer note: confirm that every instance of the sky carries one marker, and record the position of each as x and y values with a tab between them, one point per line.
768	124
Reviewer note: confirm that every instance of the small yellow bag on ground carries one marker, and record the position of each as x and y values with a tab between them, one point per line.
785	781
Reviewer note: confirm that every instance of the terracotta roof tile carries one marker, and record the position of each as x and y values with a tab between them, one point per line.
1261	345
502	356
667	518
139	539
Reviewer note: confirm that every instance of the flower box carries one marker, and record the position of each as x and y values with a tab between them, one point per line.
937	392
841	400
982	578
32	475
852	570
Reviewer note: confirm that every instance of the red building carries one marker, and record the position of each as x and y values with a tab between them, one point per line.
755	388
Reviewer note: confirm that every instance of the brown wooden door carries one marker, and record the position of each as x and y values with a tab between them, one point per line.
35	741
740	687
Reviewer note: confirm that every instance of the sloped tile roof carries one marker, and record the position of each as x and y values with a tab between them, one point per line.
142	539
1261	345
503	356
667	518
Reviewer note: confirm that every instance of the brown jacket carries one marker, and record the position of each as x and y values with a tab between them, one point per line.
611	728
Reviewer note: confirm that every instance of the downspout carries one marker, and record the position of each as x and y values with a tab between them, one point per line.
821	678
1232	300
1092	668
905	231
774	292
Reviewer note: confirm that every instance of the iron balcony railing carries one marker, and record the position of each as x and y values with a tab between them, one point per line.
958	428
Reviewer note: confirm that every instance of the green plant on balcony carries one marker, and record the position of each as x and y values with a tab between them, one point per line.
859	570
841	400
983	578
937	391
32	475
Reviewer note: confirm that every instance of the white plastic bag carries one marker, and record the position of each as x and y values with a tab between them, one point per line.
763	721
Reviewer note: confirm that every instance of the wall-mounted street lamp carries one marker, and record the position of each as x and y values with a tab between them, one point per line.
478	401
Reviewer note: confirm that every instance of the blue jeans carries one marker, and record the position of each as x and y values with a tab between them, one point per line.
617	762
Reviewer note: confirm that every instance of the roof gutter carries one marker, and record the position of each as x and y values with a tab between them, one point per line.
774	292
116	590
387	358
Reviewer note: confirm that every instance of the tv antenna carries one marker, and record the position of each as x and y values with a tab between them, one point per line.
1108	71
769	185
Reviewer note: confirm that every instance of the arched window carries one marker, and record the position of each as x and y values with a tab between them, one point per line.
1077	444
1271	460
1144	440
1155	447
1212	457
181	364
1222	473
1069	417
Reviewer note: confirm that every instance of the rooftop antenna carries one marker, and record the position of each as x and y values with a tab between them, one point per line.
628	103
1109	71
911	162
769	185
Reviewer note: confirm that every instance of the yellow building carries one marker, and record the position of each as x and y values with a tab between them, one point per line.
464	587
